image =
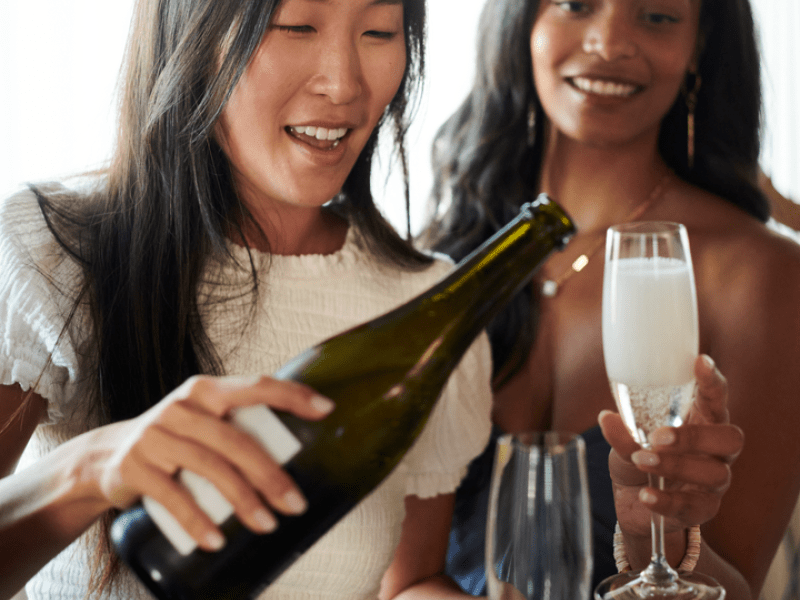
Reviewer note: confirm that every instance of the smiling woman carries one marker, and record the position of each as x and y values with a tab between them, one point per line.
233	227
304	109
647	110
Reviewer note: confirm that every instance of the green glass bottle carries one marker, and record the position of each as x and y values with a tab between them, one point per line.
385	377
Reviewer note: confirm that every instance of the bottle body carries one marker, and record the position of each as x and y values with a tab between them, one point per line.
385	377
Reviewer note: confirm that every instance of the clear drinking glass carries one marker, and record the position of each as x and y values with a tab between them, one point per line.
538	543
650	342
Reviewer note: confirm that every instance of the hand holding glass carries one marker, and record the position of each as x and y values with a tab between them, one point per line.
650	343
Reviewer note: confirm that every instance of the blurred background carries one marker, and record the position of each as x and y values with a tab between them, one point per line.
59	62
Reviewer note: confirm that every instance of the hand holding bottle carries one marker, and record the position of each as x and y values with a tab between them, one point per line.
385	376
190	429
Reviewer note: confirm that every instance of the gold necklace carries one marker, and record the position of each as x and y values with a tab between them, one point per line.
550	287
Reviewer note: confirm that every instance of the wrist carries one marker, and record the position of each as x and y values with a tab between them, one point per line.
690	542
81	462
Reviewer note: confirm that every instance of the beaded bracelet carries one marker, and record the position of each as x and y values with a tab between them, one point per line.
688	563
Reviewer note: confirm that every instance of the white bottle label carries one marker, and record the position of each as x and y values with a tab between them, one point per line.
262	424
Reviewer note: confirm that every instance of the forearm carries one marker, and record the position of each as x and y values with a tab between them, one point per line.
42	510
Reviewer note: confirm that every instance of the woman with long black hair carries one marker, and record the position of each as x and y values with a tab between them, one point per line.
234	228
627	110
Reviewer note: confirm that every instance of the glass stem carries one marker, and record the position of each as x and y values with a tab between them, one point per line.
658	573
657	526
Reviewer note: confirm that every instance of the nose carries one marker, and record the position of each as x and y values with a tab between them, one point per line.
610	36
339	73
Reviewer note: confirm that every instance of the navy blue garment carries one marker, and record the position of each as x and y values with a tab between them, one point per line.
465	554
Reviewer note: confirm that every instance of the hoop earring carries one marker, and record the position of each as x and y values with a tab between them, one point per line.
531	124
691	104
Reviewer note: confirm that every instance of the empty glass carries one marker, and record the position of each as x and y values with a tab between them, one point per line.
538	542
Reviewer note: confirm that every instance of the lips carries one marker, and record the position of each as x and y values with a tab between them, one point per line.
604	87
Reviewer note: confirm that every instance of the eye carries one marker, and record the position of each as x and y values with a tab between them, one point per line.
381	35
573	6
298	29
659	19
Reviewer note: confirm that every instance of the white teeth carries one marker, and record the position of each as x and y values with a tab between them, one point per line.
322	133
603	88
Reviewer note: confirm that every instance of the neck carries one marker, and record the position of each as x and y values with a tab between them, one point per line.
598	186
296	230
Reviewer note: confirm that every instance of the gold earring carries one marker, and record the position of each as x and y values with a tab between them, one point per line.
691	104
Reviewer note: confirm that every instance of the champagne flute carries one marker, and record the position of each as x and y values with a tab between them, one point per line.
538	534
650	342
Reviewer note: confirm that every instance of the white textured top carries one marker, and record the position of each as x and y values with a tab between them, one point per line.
304	299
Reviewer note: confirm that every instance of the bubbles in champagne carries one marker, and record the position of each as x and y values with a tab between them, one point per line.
646	408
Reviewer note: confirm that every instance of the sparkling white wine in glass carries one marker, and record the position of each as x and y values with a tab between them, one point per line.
650	340
650	343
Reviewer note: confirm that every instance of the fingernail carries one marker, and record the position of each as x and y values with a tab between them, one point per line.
322	404
645	458
215	541
602	414
647	497
295	502
662	437
265	520
708	361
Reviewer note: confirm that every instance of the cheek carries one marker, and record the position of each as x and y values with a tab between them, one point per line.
550	47
540	44
387	77
542	61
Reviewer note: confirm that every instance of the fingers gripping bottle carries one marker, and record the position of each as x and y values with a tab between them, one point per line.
385	377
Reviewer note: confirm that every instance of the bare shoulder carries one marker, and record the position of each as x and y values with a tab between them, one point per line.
738	258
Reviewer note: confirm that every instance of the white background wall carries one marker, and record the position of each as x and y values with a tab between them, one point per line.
59	61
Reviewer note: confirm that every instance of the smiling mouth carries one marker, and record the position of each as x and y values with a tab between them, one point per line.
321	138
602	87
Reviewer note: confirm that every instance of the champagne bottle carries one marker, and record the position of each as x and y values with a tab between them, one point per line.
385	377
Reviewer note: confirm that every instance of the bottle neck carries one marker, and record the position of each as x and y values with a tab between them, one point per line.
483	282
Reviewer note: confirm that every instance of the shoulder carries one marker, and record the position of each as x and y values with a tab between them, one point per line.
24	235
732	251
20	215
748	278
35	270
26	241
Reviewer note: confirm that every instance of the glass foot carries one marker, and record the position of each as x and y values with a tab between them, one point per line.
632	586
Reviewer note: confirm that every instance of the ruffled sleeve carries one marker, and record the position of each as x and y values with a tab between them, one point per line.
35	350
458	429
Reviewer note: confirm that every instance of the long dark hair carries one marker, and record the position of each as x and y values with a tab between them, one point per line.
486	167
144	234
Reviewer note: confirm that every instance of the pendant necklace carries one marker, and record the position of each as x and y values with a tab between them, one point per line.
550	287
